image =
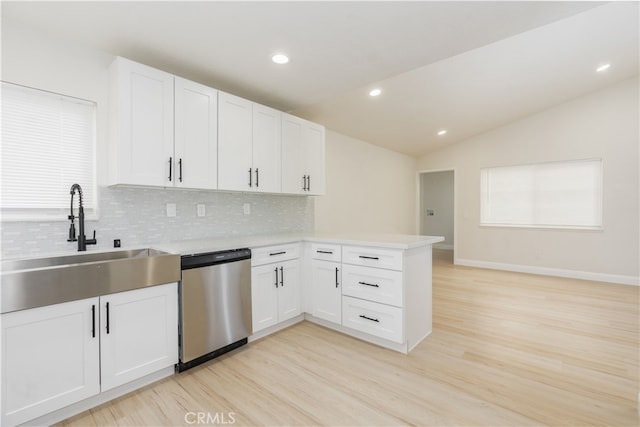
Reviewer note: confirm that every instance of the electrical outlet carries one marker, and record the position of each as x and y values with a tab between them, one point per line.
247	209
171	209
201	210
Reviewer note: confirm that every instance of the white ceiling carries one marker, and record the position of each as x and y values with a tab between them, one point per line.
464	66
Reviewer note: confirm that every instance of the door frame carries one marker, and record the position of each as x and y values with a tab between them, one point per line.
455	203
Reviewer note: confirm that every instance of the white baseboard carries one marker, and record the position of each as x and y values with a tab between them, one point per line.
545	271
444	246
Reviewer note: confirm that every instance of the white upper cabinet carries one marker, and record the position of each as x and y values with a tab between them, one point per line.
163	129
248	145
195	163
303	156
141	124
267	124
235	117
166	131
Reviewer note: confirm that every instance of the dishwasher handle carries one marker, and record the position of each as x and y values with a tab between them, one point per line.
207	259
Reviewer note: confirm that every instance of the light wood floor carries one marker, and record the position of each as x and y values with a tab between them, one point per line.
507	349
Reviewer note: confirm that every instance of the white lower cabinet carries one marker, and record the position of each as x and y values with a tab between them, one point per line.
326	293
138	333
275	291
50	359
58	355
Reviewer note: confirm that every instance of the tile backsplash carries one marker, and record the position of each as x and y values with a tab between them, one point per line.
138	217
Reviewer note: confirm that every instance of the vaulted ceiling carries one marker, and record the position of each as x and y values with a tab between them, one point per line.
466	67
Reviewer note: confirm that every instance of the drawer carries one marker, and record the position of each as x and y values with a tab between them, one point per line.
373	318
372	257
327	252
269	254
375	284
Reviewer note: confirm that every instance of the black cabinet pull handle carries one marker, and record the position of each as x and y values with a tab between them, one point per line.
369	318
276	277
308	182
337	277
170	167
250	177
369	284
304	182
107	317
93	321
325	252
277	253
282	277
369	257
180	168
257	178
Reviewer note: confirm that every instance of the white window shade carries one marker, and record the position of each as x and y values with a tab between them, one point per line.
47	145
564	194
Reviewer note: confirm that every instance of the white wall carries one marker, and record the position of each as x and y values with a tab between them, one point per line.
136	216
369	189
437	195
603	125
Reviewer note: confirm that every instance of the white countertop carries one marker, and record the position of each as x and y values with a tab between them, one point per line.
393	241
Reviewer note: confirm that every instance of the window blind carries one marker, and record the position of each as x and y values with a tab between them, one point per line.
566	194
47	145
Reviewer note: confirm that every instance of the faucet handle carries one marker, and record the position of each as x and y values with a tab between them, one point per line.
91	241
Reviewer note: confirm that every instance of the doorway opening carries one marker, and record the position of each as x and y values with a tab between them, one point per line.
436	193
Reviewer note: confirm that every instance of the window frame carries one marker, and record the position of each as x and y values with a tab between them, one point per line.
595	228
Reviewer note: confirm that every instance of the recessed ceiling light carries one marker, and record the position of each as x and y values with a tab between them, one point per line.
442	132
603	67
375	92
280	58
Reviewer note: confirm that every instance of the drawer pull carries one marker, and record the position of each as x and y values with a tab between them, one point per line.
369	318
325	252
278	253
369	284
369	257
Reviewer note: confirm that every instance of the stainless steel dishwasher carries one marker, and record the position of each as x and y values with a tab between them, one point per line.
215	305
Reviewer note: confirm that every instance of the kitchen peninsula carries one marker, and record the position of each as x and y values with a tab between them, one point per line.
376	287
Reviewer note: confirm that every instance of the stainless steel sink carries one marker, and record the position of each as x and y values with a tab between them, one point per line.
30	283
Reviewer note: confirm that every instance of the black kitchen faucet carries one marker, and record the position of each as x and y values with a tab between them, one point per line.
82	239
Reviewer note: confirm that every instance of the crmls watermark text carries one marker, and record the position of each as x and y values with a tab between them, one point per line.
210	418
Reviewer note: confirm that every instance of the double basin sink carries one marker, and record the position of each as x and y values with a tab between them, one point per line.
30	283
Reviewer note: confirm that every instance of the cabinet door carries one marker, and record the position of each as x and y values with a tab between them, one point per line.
196	135
50	359
138	333
264	296
293	168
315	158
235	116
326	293
289	301
143	128
267	124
